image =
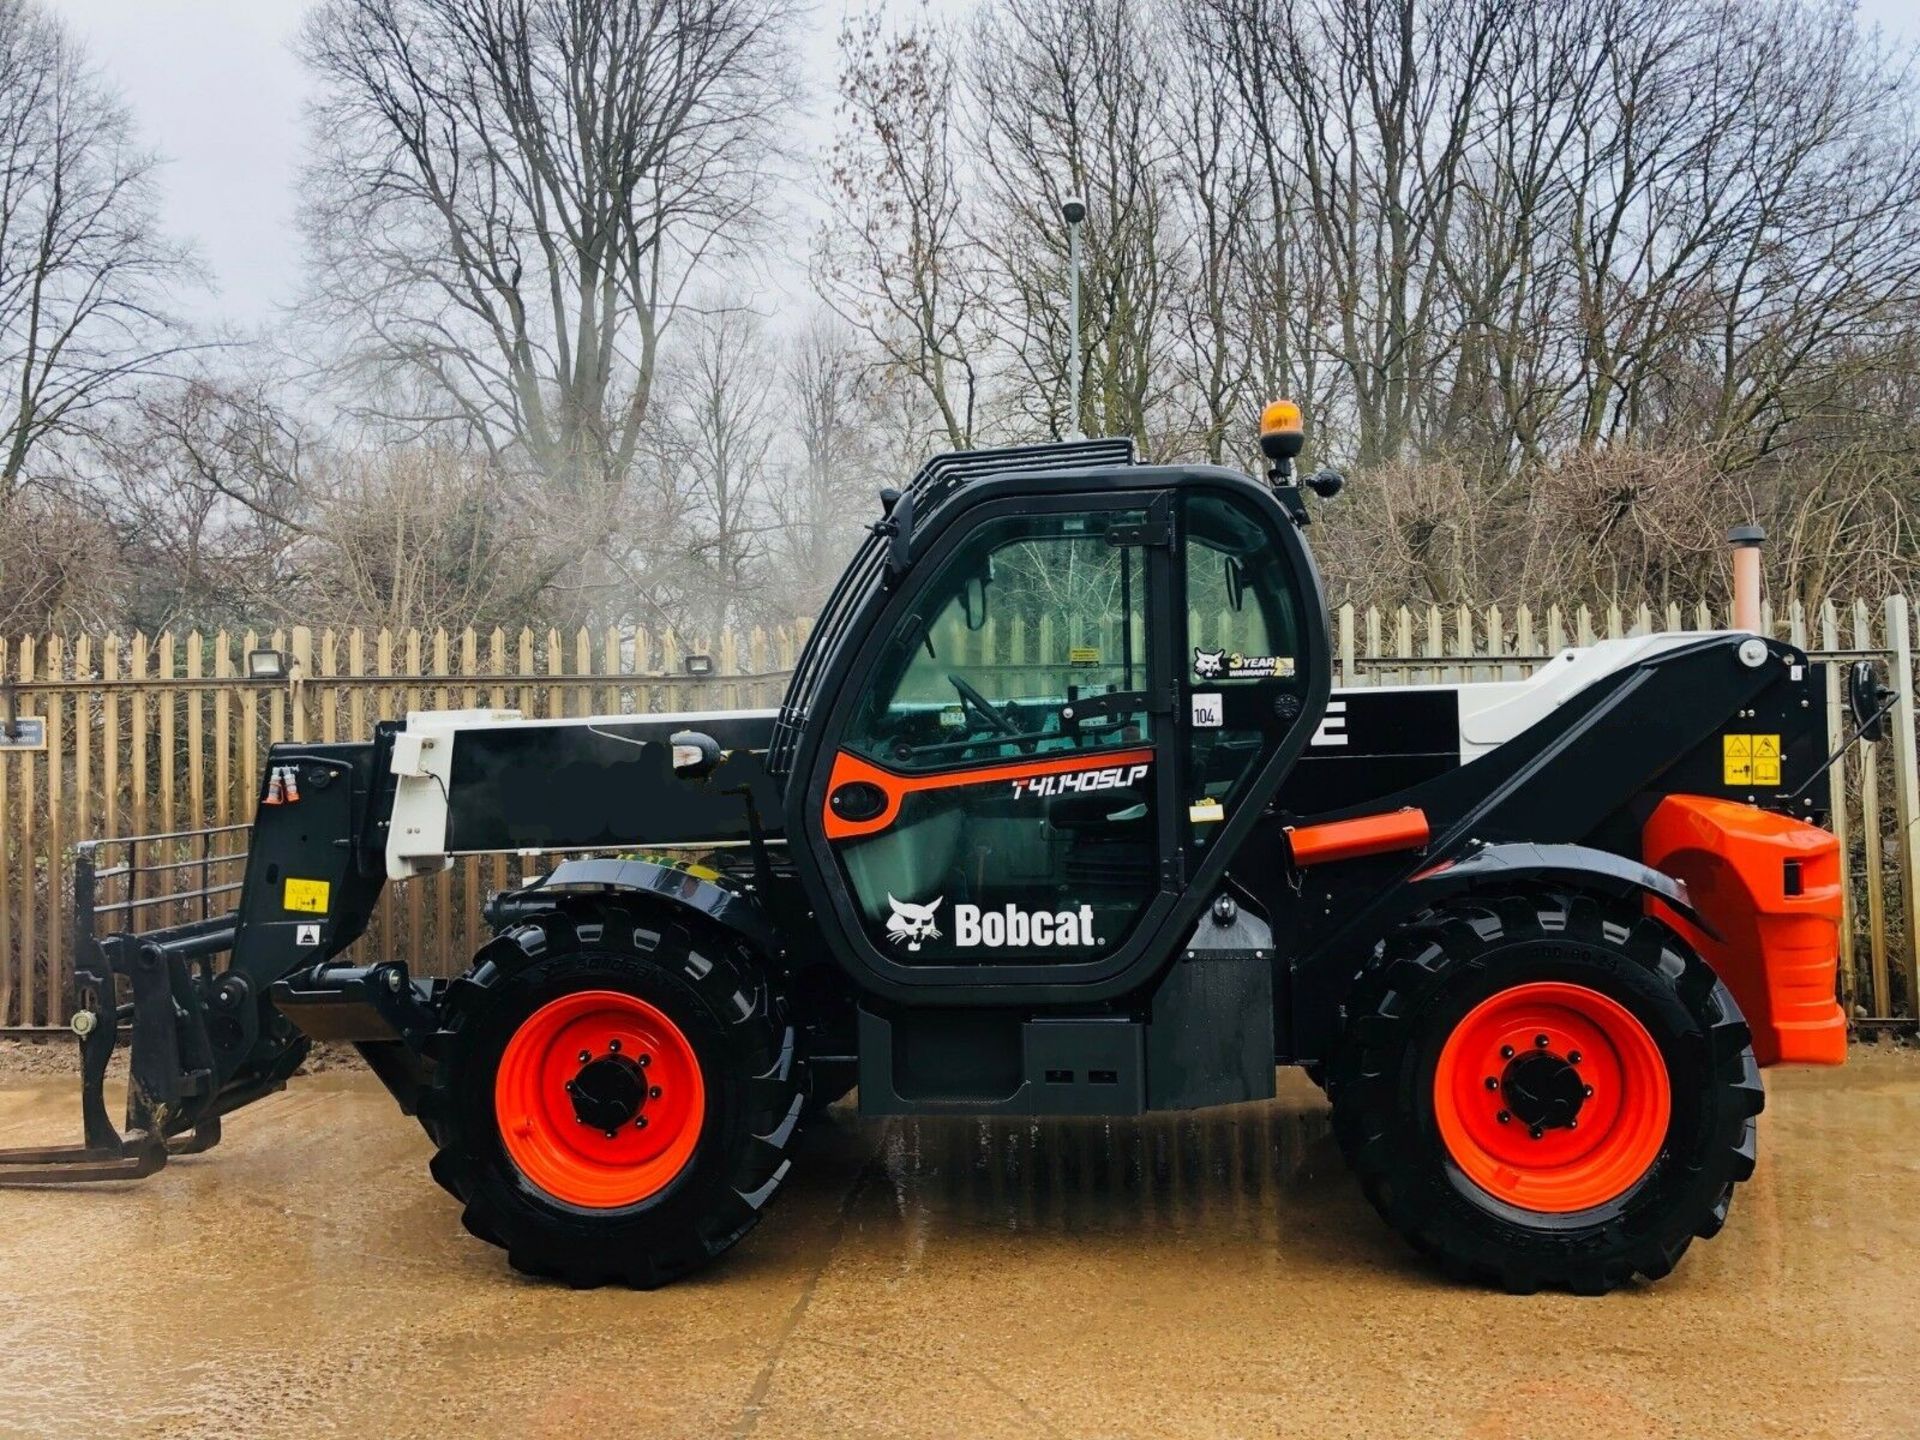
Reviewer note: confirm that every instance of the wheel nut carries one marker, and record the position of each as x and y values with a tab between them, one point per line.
1586	1092
1573	1057
1504	1116
645	1060
640	1122
585	1056
613	1047
1541	1041
1536	1132
653	1092
1506	1052
613	1135
1573	1124
1492	1084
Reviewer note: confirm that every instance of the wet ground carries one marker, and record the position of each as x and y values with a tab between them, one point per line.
1173	1276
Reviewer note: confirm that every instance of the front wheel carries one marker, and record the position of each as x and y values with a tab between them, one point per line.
1546	1090
614	1098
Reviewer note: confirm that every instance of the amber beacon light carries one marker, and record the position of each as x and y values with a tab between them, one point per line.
1283	430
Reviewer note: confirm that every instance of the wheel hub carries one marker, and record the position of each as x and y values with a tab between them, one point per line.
1543	1091
608	1093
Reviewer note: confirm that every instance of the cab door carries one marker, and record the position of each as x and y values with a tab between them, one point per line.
1254	668
1001	790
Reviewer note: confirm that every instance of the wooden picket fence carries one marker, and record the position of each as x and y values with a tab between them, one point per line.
159	735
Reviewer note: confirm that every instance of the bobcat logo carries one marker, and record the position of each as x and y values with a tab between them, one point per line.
912	923
1208	664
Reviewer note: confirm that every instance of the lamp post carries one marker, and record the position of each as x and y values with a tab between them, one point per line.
1074	209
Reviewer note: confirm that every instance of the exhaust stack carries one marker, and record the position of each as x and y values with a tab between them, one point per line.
1746	541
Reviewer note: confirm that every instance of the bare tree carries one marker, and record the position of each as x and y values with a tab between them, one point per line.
1070	99
897	261
210	486
823	476
712	443
511	196
84	269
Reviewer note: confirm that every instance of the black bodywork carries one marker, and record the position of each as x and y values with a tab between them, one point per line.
1161	1023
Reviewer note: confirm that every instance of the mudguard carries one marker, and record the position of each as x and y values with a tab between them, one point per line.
1581	866
689	888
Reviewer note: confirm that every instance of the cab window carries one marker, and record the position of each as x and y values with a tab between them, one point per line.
1030	641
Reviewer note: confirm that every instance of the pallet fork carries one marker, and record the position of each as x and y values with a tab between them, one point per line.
173	1107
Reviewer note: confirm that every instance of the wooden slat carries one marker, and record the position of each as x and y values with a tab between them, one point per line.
443	916
223	729
196	754
247	782
1906	785
29	859
277	696
56	868
164	759
1871	830
9	854
383	709
83	828
302	690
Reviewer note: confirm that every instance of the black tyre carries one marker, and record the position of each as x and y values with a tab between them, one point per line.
1482	1039
614	1096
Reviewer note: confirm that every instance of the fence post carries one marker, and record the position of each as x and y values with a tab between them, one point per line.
1906	787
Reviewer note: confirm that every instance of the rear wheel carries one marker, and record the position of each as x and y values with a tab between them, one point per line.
1546	1090
614	1099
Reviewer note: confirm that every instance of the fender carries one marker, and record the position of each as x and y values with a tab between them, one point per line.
1578	865
687	889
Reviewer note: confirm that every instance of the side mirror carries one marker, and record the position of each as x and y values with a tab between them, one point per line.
1868	699
1326	483
1236	583
897	525
695	753
973	601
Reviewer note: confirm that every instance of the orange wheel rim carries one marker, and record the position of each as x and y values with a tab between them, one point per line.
1552	1097
599	1099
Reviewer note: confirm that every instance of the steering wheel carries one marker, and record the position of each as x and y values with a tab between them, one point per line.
972	699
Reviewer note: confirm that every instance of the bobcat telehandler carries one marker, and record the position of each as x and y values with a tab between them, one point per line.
1062	814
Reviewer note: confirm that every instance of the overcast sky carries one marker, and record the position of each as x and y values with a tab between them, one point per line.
218	92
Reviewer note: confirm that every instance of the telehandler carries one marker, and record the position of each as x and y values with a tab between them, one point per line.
1062	814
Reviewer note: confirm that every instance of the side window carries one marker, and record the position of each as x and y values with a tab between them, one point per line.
1244	657
1030	641
1241	617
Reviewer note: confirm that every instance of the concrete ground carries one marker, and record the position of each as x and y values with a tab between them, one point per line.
1213	1274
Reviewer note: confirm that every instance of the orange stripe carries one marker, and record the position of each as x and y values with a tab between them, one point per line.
1362	835
848	768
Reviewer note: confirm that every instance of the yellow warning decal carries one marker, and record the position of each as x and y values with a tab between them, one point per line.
1750	760
307	896
1084	655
